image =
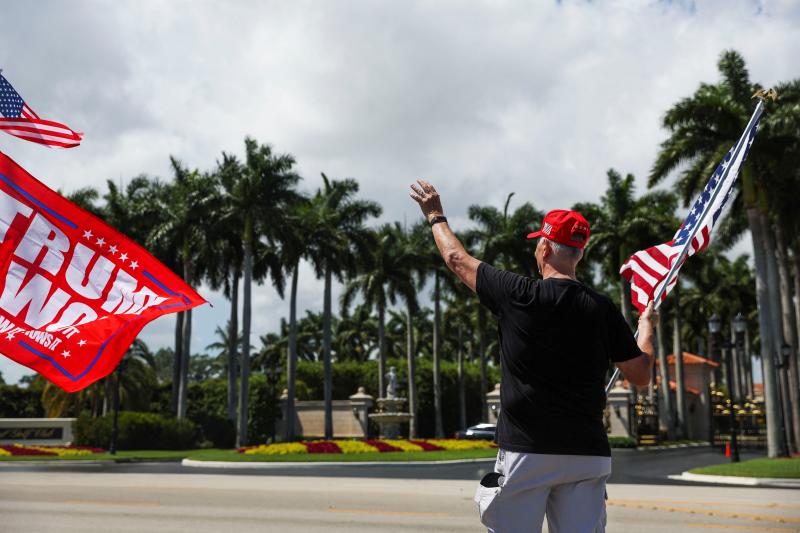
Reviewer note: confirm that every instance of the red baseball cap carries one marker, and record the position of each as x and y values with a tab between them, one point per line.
564	227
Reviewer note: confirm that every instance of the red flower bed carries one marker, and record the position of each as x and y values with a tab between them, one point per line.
322	447
427	446
18	450
383	446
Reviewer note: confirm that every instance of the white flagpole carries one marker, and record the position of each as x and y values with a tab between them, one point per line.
673	271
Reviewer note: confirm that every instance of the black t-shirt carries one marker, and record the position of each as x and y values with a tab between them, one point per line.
557	337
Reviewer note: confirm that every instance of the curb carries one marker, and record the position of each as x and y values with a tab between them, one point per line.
674	446
739	481
194	463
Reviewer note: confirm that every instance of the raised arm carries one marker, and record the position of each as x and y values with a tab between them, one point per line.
453	252
637	370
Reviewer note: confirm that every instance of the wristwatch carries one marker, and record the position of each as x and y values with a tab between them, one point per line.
437	219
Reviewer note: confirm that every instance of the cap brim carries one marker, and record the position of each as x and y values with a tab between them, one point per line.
534	234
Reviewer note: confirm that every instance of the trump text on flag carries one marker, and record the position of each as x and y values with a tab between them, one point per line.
74	292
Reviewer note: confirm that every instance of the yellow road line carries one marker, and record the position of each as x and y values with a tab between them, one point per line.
720	504
385	513
114	502
745	528
708	512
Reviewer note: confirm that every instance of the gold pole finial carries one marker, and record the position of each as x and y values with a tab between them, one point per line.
762	94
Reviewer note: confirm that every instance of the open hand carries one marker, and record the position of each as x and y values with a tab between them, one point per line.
428	199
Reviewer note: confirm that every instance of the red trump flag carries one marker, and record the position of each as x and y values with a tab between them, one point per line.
74	292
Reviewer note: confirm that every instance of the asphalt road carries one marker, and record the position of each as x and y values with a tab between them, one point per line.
66	502
629	466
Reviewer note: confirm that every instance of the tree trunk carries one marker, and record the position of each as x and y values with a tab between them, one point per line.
437	385
773	289
677	350
771	399
183	384
177	358
233	335
381	350
789	331
244	380
412	372
748	363
326	354
482	361
291	360
462	397
663	371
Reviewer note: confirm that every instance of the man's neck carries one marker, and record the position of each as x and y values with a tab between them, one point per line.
550	271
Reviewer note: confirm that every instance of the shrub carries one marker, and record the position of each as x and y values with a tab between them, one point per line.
137	431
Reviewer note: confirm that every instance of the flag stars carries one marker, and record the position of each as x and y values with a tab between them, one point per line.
133	265
100	241
66	354
81	342
112	249
87	234
123	257
10	336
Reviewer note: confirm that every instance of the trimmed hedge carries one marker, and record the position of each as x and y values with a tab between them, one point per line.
137	431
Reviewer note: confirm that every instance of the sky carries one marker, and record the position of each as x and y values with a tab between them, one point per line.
482	98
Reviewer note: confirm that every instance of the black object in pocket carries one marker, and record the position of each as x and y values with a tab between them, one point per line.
491	480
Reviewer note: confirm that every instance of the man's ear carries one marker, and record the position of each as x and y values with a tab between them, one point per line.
547	250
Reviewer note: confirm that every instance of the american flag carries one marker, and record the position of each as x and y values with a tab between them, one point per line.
653	272
21	121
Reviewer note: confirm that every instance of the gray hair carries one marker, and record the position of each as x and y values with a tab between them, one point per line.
567	252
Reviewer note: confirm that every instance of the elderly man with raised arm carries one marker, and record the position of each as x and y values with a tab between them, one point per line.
557	339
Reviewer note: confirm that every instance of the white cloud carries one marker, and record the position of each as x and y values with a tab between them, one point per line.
484	98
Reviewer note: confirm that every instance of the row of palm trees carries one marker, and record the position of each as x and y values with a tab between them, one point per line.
247	221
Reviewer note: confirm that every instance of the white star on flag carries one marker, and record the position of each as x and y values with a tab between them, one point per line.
65	353
112	249
123	257
133	265
87	234
81	342
101	241
10	336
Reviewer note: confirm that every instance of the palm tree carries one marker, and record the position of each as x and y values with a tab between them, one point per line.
499	239
381	276
432	263
335	239
355	334
259	195
186	203
702	128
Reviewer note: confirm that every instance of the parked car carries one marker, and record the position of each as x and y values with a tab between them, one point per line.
480	431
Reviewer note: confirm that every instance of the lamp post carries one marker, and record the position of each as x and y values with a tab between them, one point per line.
739	324
714	327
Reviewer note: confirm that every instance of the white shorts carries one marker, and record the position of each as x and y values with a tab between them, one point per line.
524	487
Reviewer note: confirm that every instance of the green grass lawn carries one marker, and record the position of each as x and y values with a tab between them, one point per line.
778	468
233	455
135	455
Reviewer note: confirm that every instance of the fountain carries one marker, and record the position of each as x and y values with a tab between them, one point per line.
389	416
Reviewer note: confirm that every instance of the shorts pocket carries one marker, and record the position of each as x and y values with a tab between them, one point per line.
488	490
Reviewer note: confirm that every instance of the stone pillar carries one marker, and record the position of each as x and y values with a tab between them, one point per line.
620	410
493	404
361	402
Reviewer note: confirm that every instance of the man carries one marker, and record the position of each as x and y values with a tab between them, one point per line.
557	339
